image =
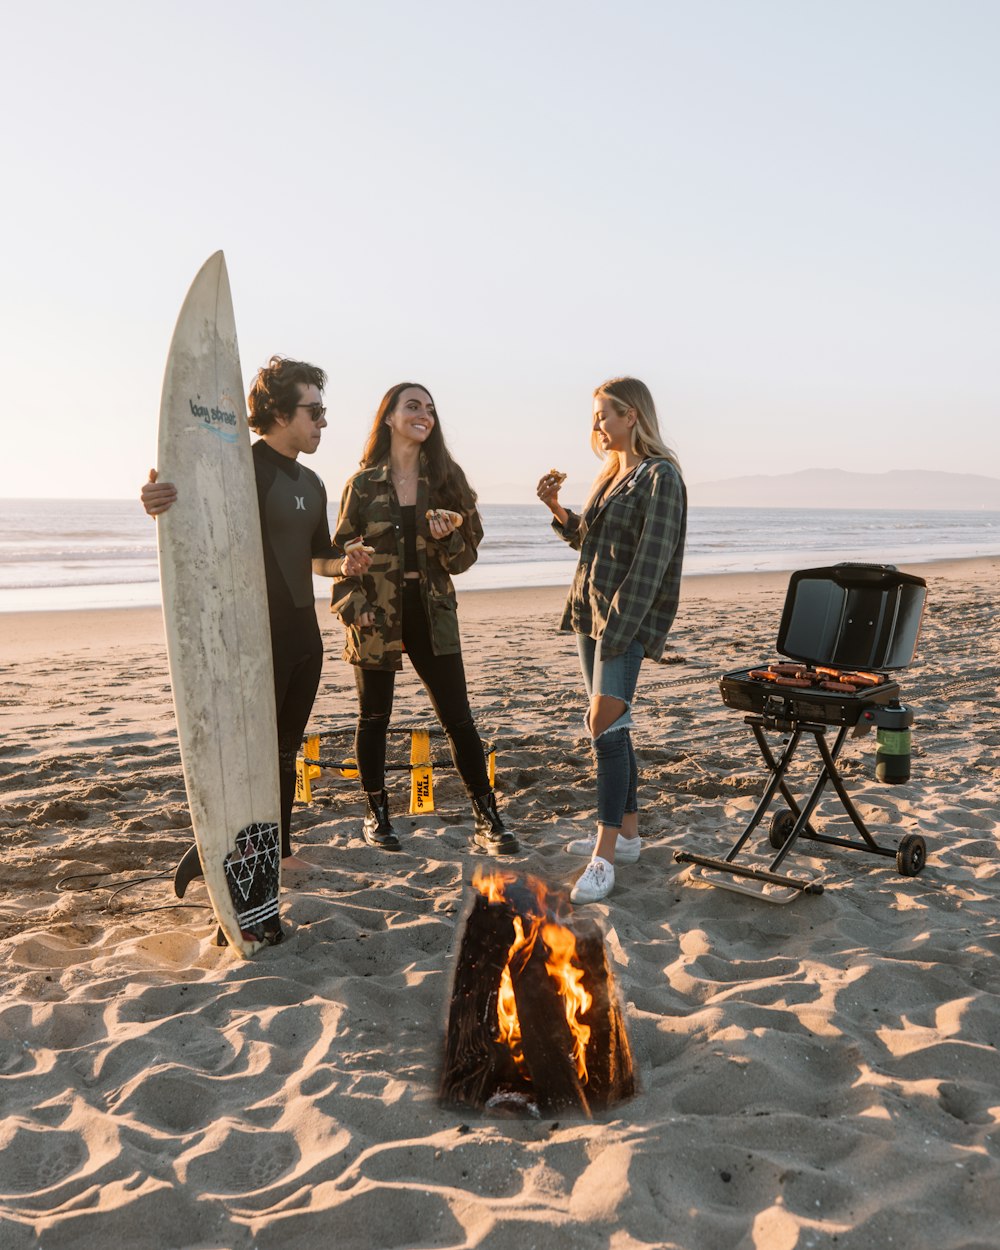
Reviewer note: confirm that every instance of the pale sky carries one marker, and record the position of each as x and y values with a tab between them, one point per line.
781	214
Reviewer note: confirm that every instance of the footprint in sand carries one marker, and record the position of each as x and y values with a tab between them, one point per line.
31	1160
245	1161
60	810
965	1104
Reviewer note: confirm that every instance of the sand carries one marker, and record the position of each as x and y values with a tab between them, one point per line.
823	1073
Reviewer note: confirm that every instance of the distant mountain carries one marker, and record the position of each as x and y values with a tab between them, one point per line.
838	488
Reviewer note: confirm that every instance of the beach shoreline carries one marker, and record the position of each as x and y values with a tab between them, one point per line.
821	1073
23	634
108	558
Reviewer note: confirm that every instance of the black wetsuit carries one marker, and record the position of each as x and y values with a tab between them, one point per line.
295	530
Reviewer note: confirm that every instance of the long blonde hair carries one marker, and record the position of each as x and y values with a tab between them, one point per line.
625	393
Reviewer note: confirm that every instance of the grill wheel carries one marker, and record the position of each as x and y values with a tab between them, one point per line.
911	854
782	824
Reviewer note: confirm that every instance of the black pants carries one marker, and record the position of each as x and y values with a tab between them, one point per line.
298	662
444	679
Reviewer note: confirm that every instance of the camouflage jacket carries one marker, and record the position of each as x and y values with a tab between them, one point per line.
370	510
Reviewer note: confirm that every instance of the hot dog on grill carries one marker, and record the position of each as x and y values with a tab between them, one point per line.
864	679
802	676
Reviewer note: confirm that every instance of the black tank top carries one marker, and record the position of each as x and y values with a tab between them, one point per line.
410	538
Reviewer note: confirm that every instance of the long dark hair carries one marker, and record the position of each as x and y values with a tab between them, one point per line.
449	487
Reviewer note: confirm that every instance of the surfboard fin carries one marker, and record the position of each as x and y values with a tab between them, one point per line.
186	871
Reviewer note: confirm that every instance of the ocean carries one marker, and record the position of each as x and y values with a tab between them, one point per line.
63	554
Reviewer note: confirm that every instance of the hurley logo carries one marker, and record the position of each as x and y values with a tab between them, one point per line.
300	503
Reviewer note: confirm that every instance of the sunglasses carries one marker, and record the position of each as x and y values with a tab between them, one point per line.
316	411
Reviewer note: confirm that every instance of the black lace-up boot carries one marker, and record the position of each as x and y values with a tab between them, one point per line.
376	828
490	832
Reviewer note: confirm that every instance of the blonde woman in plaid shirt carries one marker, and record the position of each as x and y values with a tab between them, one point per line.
622	602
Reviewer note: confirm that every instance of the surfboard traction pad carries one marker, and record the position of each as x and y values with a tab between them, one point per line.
253	874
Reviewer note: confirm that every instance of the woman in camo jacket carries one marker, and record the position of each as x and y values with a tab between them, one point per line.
415	512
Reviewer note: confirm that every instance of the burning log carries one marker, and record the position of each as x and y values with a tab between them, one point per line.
476	1062
609	1056
534	1021
546	1040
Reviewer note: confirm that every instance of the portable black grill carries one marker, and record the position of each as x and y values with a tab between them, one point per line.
842	630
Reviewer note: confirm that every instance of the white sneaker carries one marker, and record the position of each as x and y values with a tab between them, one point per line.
626	849
597	882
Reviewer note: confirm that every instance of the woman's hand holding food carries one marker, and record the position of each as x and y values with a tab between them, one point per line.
357	557
548	493
441	522
357	562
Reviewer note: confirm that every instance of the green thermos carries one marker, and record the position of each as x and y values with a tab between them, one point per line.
892	737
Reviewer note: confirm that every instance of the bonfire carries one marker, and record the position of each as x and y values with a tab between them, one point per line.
534	1025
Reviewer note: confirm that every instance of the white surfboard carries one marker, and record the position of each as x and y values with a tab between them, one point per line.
216	619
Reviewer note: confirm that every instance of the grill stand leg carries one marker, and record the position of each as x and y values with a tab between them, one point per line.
802	828
778	770
831	771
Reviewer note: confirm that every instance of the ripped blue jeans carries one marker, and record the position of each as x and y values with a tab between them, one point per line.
617	771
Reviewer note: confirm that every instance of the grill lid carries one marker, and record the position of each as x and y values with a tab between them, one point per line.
864	616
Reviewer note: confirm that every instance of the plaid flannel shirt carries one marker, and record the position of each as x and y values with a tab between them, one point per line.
631	545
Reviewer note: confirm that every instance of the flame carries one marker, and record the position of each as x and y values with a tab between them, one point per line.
491	884
576	1001
508	1025
568	976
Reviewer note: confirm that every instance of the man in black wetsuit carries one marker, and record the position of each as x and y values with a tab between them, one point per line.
285	407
